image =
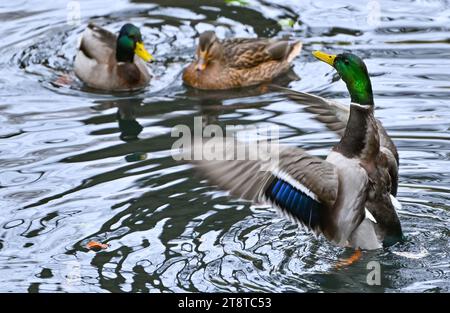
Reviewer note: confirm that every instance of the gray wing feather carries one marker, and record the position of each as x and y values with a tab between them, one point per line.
316	174
332	113
248	178
248	53
98	43
244	179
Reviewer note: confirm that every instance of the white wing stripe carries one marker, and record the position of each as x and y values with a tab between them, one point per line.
397	205
294	183
370	216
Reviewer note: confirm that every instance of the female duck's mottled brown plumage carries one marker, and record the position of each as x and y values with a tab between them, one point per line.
238	62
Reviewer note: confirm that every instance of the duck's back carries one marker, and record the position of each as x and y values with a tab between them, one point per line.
98	43
245	62
251	52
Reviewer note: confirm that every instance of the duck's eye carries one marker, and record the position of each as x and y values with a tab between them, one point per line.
346	62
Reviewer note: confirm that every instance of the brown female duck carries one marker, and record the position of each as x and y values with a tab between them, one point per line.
238	62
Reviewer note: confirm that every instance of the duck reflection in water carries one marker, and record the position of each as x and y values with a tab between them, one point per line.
126	117
211	104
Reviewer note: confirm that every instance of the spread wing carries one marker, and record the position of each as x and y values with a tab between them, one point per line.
300	186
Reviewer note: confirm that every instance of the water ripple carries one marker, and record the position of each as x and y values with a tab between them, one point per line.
80	165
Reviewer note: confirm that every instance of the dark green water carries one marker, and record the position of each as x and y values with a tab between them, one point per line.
72	171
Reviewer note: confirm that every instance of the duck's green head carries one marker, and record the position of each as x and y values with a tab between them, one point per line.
129	43
353	72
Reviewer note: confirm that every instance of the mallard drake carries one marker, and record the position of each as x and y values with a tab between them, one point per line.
109	63
238	62
349	197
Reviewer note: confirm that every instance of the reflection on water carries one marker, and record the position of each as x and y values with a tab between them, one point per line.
77	165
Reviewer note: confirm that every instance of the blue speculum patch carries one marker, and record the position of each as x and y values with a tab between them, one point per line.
295	202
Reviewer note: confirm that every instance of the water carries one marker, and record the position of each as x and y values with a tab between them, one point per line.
78	165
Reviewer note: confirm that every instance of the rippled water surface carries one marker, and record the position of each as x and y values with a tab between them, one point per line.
76	165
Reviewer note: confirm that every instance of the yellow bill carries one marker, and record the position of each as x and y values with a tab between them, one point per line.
327	58
142	52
